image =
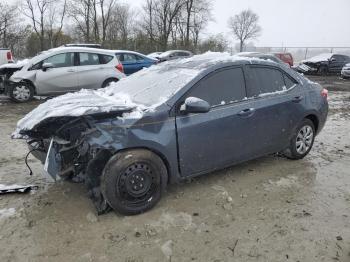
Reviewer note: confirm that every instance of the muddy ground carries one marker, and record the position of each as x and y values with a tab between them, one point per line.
269	209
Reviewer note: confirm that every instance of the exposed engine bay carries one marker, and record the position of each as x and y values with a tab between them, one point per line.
61	144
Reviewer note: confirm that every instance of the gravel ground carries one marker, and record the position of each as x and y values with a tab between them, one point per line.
269	209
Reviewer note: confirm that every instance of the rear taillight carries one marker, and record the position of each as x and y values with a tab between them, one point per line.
9	56
120	68
324	93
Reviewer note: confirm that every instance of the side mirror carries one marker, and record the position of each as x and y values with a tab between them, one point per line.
195	105
47	66
333	59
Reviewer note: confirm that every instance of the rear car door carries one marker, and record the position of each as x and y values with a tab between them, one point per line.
277	101
91	71
61	78
225	134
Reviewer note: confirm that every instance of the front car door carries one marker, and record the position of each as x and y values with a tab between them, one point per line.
61	78
216	139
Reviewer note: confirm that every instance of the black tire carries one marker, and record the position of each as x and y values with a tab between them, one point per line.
133	181
293	151
323	70
108	81
21	92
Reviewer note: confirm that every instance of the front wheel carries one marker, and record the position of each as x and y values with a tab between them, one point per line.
21	92
133	181
302	140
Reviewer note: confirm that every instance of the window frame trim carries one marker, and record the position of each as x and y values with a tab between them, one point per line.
181	100
42	61
296	83
78	58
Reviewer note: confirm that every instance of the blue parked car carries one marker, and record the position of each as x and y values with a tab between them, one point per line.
133	61
174	121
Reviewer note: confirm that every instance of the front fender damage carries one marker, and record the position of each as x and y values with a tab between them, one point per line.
84	144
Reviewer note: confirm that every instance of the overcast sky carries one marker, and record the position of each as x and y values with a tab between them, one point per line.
288	22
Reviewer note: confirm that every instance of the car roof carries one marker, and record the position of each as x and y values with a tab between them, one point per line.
79	49
83	45
128	51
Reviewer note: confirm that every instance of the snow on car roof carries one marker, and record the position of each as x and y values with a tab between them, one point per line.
142	91
319	58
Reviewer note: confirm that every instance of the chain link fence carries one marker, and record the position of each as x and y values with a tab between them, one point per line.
301	53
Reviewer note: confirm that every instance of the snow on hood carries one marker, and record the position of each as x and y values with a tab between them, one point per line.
19	64
319	58
84	102
142	91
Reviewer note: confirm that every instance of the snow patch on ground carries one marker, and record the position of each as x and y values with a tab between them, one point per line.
7	212
283	182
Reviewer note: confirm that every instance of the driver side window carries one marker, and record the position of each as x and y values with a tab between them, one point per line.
61	60
220	87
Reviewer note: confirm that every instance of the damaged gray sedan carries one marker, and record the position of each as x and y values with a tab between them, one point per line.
174	121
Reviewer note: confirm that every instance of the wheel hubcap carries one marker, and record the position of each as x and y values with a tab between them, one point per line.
304	139
137	184
21	93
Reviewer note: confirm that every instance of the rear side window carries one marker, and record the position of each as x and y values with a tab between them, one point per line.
60	60
105	59
88	59
264	80
221	87
130	58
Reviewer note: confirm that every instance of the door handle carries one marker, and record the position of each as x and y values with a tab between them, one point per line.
247	112
297	99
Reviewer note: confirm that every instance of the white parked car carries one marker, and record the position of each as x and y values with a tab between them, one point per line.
5	56
65	69
345	72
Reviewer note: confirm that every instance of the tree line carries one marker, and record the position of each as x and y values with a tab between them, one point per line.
32	26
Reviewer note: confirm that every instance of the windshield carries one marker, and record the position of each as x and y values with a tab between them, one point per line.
154	85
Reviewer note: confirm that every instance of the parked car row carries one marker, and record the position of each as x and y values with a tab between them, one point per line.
324	64
72	67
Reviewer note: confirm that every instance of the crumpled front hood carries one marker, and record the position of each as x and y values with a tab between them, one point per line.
85	102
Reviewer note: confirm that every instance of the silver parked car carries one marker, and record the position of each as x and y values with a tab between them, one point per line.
174	54
66	69
345	72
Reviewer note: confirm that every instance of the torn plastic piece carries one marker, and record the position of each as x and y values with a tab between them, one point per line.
4	189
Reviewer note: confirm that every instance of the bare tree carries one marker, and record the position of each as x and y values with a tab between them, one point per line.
245	26
160	19
80	11
106	8
37	10
8	16
55	21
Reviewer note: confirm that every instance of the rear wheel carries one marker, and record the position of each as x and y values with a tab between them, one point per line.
109	81
21	92
302	141
133	181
